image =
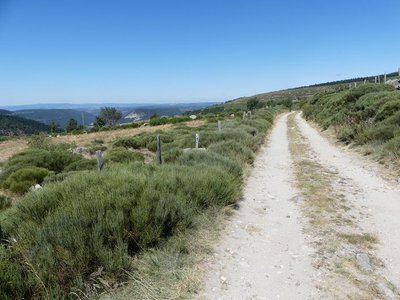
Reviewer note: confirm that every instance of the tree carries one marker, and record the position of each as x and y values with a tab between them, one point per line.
54	127
99	122
72	125
110	115
252	103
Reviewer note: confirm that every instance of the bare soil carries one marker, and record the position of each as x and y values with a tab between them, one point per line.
317	222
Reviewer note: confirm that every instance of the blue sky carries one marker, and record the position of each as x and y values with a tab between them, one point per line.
178	51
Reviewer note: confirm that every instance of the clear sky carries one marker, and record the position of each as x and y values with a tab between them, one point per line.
190	50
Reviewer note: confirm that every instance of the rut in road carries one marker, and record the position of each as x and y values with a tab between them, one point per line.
315	223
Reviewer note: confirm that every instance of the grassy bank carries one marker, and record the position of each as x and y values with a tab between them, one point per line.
368	116
85	232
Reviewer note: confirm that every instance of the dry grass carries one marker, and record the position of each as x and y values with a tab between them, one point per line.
109	136
14	146
11	147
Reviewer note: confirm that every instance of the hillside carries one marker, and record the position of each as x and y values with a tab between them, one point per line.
292	94
16	126
59	116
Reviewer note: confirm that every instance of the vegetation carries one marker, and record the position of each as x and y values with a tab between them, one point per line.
17	126
57	239
31	166
57	116
366	115
109	115
72	125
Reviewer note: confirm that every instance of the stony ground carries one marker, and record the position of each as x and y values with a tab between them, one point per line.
316	222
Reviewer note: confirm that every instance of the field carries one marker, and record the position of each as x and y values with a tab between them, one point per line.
83	233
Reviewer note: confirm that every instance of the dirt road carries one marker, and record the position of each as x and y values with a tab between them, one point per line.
316	222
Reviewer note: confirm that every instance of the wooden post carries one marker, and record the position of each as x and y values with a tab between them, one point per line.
99	156
197	140
159	161
219	125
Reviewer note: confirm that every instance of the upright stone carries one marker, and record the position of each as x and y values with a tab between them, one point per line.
197	140
159	161
219	125
99	156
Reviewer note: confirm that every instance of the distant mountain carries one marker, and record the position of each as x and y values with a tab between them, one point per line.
14	126
144	113
59	116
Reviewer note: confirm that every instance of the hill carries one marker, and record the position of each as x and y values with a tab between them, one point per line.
292	94
59	116
15	126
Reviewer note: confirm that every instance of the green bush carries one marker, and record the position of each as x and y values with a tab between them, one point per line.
367	114
121	154
5	202
81	165
16	281
92	220
20	181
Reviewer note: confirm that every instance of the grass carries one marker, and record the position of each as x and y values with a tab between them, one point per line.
86	232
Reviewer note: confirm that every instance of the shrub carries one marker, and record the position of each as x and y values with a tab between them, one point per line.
5	202
120	154
81	165
20	181
92	220
55	159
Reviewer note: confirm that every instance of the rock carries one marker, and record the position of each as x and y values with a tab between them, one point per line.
363	261
394	82
79	150
223	279
193	117
35	187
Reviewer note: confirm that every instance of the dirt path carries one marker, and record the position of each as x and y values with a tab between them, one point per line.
315	223
264	254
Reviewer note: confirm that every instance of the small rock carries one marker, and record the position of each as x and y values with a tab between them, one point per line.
363	261
386	291
223	279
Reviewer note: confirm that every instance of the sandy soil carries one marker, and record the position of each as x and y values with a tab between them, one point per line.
264	254
377	199
269	249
